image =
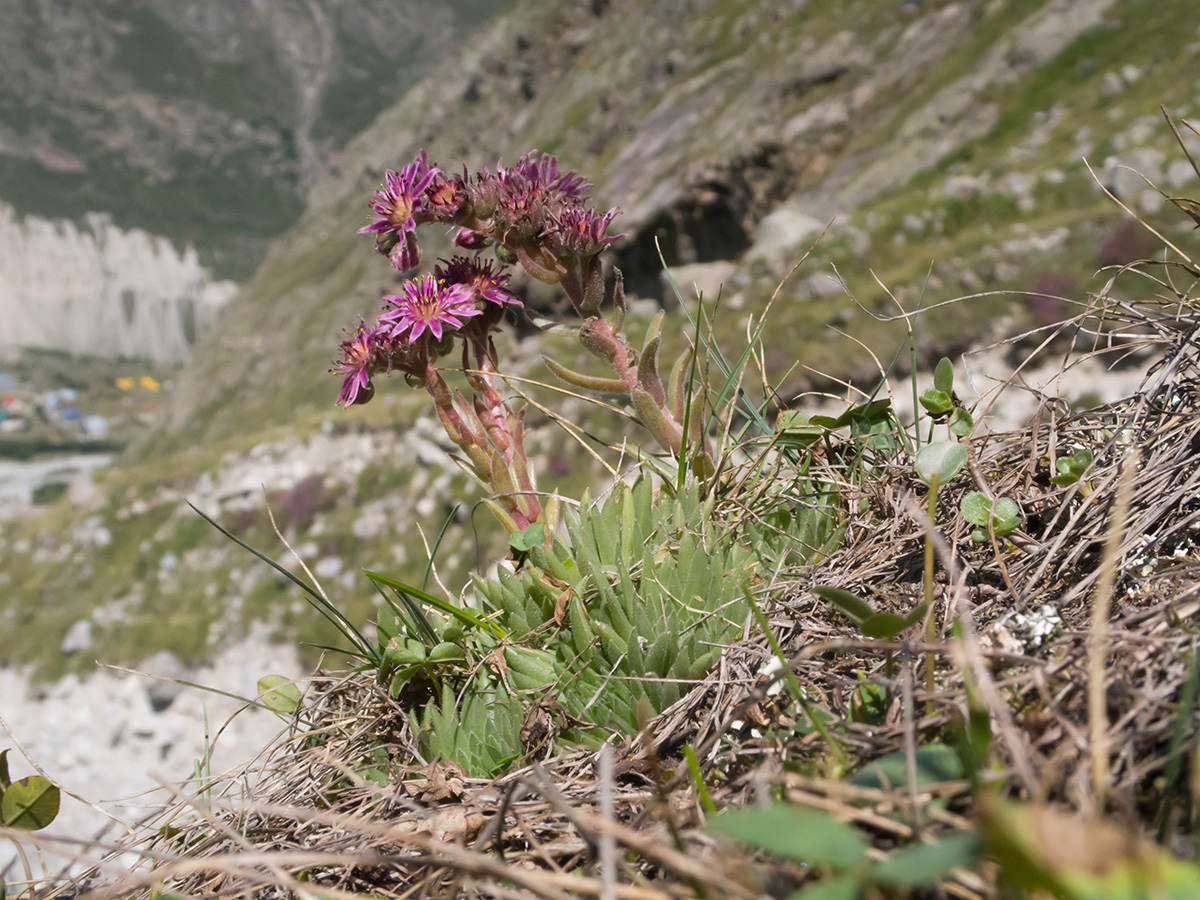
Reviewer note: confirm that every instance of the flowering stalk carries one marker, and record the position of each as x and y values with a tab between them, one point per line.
537	217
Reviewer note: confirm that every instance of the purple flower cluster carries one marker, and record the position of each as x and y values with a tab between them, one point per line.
464	296
532	213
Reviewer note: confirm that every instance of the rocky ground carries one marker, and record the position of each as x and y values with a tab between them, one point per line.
119	743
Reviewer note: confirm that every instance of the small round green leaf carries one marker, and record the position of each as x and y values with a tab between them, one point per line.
942	459
1007	515
936	402
810	835
943	375
524	541
447	652
29	803
976	508
962	423
279	693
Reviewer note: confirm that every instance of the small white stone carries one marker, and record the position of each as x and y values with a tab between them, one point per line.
78	638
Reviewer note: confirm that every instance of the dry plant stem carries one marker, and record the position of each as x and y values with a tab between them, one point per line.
1101	604
930	618
996	705
910	745
608	844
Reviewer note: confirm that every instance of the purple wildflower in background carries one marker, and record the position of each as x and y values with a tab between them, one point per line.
358	358
427	305
396	205
488	283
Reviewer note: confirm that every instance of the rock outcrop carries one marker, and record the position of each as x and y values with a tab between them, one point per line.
97	289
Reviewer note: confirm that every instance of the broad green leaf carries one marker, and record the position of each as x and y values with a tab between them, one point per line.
795	429
29	803
5	781
943	375
845	887
279	693
883	625
936	763
942	459
922	864
447	652
854	606
809	835
917	614
873	410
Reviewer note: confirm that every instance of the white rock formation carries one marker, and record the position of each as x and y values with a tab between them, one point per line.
99	290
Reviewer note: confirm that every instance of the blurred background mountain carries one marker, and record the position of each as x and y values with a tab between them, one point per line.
150	150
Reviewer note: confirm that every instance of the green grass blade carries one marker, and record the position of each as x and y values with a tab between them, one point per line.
436	545
436	602
330	612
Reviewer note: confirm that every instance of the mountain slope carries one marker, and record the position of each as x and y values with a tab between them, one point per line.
732	132
203	122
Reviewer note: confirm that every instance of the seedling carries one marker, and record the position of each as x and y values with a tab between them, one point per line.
1071	468
997	517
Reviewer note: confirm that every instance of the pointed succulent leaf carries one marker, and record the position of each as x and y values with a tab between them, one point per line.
648	362
666	432
586	382
677	383
618	321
